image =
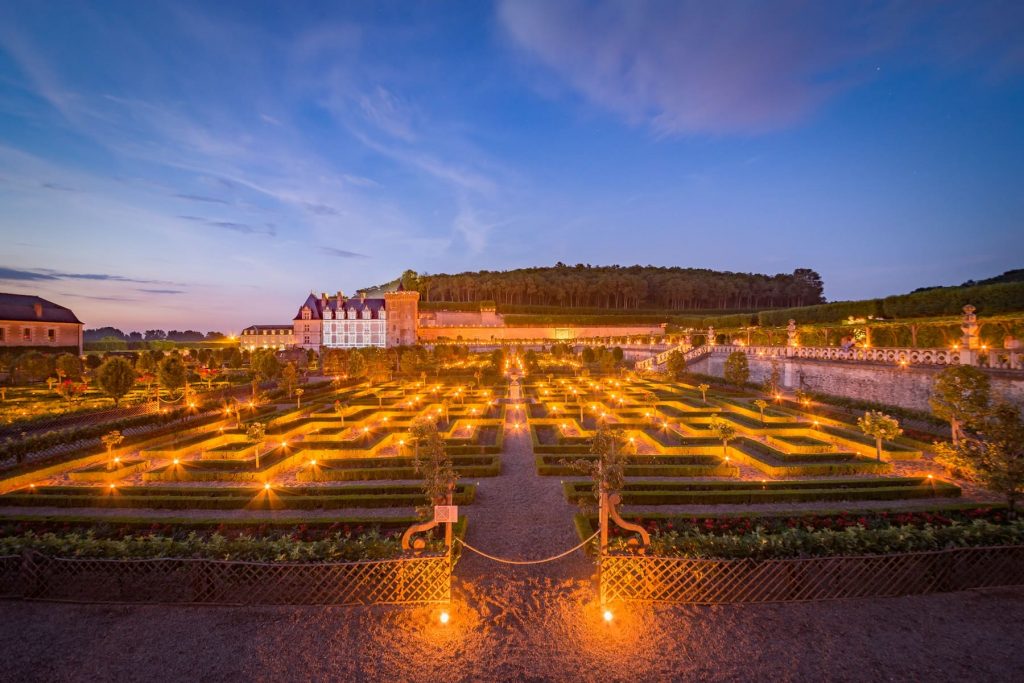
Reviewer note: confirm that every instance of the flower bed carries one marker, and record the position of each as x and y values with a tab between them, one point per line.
788	491
776	463
364	469
642	466
764	537
220	498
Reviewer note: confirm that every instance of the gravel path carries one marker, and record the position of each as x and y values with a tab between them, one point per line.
554	635
520	515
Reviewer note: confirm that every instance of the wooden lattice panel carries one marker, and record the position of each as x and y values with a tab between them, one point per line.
10	576
680	580
400	581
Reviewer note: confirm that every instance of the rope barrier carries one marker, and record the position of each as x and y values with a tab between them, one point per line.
525	562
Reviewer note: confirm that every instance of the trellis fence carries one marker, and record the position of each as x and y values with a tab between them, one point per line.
680	580
414	580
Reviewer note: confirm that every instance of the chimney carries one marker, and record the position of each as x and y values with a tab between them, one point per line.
341	298
39	310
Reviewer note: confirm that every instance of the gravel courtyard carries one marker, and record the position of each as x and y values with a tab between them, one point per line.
532	630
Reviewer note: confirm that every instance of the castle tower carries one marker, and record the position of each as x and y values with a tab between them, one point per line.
403	317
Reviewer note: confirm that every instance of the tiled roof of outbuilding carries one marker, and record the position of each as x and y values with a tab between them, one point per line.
23	308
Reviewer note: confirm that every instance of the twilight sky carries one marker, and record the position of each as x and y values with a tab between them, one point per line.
205	165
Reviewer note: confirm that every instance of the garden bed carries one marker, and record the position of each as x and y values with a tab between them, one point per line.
754	493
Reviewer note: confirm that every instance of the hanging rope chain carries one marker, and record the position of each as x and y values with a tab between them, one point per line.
525	562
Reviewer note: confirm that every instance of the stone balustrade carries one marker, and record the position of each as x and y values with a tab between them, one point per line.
996	359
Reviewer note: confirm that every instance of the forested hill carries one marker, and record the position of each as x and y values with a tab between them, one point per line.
623	287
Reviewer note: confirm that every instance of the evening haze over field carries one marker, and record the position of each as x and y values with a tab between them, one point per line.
205	165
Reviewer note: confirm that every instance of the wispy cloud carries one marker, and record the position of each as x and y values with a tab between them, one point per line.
341	253
162	291
268	229
58	187
697	67
44	274
388	112
92	297
200	198
322	209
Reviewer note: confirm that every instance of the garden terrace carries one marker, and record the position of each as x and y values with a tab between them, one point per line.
228	498
777	463
745	407
915	513
641	465
686	409
102	471
141	521
788	491
743	424
392	467
866	445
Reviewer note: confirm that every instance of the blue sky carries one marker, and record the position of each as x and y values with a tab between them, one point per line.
206	165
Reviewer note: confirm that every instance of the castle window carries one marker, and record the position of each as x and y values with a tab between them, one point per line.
51	335
26	334
305	313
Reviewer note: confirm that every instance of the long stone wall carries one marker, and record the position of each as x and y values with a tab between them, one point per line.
908	387
483	333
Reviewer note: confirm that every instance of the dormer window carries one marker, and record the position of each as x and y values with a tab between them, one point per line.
366	314
381	314
306	314
351	314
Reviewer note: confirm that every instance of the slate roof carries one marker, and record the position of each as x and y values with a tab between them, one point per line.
22	308
268	327
316	306
358	305
314	303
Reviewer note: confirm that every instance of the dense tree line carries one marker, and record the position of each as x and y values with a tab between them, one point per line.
623	287
109	333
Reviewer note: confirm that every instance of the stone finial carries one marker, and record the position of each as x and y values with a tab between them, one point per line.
970	327
791	336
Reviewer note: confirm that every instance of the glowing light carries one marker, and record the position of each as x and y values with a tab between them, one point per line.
444	617
313	463
175	461
266	487
608	616
112	486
